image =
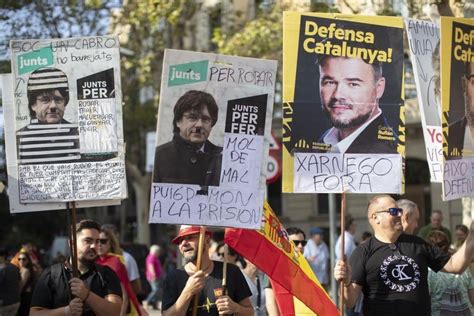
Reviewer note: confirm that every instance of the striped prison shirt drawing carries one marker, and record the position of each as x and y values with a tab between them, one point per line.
48	143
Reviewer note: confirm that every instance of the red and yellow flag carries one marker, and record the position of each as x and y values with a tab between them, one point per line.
272	252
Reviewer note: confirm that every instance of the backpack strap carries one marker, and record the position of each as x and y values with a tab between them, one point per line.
58	272
100	274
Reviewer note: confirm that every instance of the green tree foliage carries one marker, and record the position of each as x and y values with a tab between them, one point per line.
259	38
43	19
148	28
52	19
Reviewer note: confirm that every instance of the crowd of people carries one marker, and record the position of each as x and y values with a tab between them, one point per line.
391	271
107	281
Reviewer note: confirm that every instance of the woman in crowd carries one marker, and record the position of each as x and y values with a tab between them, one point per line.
450	293
110	255
254	278
27	284
232	256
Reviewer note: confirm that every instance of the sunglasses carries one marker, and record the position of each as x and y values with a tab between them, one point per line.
103	241
394	211
300	242
22	259
220	254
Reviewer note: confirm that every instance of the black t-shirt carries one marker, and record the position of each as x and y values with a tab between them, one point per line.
237	288
53	293
9	285
394	276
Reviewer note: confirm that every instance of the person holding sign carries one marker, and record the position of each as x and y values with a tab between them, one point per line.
460	133
350	89
49	138
96	291
181	285
190	158
391	267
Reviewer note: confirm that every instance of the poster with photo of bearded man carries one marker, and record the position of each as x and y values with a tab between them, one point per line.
212	139
343	123
457	94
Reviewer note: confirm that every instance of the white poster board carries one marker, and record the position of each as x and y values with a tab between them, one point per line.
212	136
64	121
423	39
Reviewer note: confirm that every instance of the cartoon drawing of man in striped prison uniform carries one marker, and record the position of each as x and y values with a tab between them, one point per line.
49	138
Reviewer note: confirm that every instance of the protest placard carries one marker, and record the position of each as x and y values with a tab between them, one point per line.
457	79
343	94
213	128
423	40
64	125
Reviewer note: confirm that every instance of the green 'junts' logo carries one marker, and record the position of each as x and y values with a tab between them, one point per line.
187	73
33	60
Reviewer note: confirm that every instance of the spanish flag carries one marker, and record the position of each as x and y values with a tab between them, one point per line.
296	288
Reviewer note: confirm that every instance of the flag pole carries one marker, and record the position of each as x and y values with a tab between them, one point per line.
202	233
343	243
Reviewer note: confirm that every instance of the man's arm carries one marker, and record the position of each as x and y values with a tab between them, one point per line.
133	274
125	301
73	309
463	257
110	305
270	302
342	272
25	275
193	286
226	305
136	286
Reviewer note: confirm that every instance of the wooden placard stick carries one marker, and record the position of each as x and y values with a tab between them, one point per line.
343	244
202	234
73	238
224	270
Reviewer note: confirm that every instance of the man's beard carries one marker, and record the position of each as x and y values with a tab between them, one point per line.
191	258
86	261
339	124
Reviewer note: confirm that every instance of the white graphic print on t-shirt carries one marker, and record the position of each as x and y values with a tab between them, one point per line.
400	273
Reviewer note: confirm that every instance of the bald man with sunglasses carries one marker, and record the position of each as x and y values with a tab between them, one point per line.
391	268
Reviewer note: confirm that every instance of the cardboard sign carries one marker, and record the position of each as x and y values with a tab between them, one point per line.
342	96
64	124
213	126
423	39
457	94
